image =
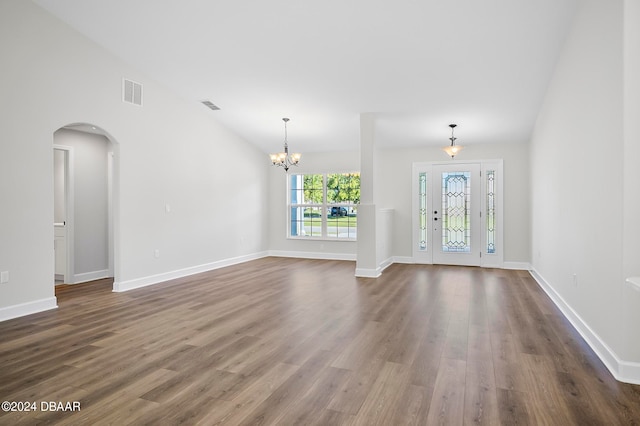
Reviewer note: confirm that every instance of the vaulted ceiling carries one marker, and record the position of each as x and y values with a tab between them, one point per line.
417	65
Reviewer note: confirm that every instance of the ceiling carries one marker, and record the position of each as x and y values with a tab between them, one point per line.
416	65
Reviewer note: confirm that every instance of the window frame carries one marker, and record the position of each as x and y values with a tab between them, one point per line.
324	207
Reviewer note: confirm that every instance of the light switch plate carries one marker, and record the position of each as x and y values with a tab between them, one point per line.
4	277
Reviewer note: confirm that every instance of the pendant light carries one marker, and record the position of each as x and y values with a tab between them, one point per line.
284	159
452	149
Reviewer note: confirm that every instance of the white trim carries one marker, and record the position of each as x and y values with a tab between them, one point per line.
28	308
403	259
385	264
629	372
623	371
158	278
69	203
179	273
493	260
90	276
110	233
312	255
485	264
519	266
374	273
368	273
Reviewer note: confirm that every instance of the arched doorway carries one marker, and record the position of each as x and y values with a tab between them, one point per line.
85	198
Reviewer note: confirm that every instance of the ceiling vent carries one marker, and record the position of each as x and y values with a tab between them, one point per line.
211	105
131	92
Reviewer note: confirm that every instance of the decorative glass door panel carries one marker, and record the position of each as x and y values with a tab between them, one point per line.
456	212
423	224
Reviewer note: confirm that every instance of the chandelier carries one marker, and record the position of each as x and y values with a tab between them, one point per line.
284	159
452	149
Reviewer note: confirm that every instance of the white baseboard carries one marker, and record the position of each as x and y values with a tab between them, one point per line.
28	308
90	276
360	272
629	372
171	275
312	255
403	259
623	371
519	266
368	273
385	264
524	266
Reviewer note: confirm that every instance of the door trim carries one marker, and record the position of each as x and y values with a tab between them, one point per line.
488	260
69	195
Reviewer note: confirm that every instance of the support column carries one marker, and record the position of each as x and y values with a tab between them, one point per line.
366	258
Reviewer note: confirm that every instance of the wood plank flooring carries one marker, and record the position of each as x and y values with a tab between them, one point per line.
281	341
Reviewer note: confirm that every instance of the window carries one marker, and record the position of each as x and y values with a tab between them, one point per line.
490	213
422	210
323	206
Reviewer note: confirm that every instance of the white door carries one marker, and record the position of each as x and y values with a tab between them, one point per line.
455	218
448	221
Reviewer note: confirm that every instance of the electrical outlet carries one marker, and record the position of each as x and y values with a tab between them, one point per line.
575	280
4	277
156	253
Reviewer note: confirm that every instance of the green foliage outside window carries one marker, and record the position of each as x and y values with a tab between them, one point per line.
341	188
312	185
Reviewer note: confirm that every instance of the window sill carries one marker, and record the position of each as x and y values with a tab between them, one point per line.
322	239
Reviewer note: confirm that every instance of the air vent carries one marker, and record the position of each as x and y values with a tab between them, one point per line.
210	105
131	92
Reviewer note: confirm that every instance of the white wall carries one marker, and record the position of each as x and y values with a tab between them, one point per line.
90	218
170	151
394	191
577	167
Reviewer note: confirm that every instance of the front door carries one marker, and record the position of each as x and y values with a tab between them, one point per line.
455	217
449	201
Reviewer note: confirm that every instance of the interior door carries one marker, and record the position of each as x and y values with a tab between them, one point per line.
455	218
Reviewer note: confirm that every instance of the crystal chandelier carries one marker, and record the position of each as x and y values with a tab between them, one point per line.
452	149
284	159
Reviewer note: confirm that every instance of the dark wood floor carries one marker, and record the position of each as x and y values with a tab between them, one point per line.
294	342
